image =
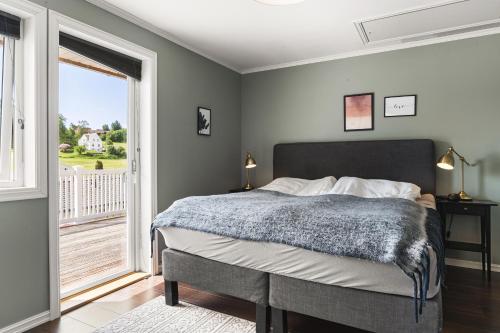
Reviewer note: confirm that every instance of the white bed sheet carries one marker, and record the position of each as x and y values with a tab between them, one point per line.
299	263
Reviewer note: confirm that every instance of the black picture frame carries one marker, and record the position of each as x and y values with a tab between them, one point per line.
204	121
403	115
372	96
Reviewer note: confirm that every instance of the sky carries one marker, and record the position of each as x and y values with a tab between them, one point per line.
95	97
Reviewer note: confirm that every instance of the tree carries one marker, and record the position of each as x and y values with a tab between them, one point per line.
113	151
121	152
63	130
105	127
67	135
117	135
71	136
65	148
80	150
115	125
80	129
83	124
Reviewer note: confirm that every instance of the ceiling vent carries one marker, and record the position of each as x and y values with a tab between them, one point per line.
449	18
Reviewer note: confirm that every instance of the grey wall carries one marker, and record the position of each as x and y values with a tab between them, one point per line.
187	163
24	257
457	84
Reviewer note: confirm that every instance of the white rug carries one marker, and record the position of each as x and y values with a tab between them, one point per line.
155	316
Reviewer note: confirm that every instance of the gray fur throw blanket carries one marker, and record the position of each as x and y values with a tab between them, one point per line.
383	230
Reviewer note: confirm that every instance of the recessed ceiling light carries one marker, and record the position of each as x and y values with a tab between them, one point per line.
279	2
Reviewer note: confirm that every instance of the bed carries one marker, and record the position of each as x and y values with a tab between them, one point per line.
349	291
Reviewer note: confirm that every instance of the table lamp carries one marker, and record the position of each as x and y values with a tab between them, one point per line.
447	162
249	164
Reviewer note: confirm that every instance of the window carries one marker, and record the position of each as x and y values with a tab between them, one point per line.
11	119
23	99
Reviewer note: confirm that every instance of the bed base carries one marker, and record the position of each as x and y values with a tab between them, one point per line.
210	275
367	310
275	295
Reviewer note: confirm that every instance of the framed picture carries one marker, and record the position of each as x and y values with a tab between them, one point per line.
400	106
204	121
359	112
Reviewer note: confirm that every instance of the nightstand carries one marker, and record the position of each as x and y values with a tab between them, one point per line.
480	208
236	190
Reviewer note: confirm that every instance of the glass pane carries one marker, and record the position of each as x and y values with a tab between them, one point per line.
1	81
93	114
7	115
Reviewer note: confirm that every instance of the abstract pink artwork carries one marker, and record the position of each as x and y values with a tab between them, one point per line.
358	112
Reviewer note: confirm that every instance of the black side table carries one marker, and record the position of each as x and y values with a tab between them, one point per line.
236	190
480	208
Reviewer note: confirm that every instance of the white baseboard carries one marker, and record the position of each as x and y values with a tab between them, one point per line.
26	324
470	264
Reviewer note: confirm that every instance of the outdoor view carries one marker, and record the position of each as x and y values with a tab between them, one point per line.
80	145
93	109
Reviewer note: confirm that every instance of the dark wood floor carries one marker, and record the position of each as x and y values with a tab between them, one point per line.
470	305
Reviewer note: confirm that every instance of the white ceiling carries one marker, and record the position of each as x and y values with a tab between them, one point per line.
247	35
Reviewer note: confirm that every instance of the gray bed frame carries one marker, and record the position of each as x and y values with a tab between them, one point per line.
399	160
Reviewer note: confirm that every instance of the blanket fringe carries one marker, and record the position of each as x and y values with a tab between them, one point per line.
421	278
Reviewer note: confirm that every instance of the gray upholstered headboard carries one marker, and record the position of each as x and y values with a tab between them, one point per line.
410	161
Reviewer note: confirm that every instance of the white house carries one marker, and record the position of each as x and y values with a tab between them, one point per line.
91	141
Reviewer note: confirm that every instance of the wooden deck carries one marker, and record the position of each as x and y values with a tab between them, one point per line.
92	251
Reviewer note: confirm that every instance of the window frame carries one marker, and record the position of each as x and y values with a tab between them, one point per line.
30	146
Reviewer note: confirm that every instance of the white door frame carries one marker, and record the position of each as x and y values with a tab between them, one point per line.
147	99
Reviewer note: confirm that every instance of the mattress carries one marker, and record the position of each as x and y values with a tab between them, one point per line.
300	263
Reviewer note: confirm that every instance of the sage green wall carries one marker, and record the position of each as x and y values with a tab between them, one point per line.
187	163
458	88
24	257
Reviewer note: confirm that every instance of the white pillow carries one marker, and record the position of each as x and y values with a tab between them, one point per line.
299	186
376	188
318	186
285	185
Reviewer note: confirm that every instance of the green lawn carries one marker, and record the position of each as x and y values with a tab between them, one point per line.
88	162
120	144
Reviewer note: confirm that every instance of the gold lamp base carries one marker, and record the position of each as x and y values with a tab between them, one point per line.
249	164
464	196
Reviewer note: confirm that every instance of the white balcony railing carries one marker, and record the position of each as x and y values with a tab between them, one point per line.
86	195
